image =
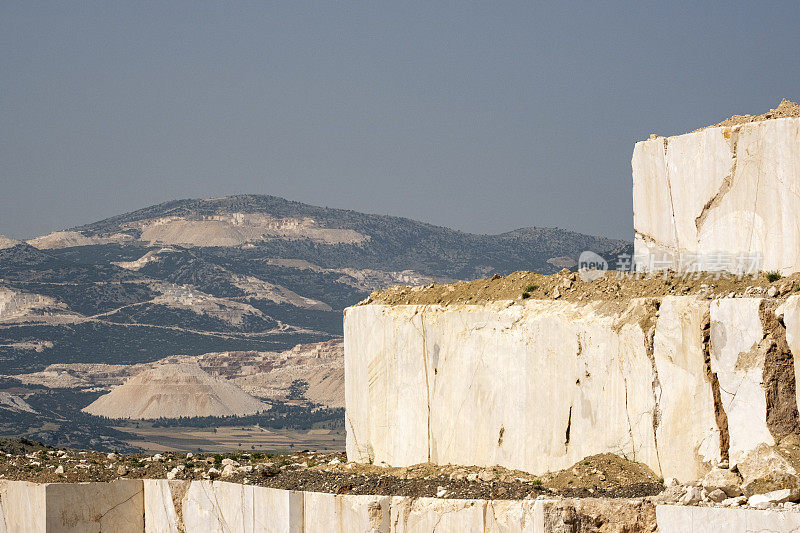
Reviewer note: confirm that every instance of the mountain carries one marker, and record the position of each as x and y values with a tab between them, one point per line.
241	274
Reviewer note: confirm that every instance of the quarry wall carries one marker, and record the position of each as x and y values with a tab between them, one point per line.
679	383
128	506
729	190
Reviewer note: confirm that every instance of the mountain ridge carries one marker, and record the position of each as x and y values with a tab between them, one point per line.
336	238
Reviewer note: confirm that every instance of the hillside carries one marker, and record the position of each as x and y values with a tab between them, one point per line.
240	274
259	226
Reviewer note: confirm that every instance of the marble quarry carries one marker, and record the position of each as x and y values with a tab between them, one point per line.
680	383
136	506
717	197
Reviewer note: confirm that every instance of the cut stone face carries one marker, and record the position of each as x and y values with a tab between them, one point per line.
540	386
688	519
723	190
113	506
738	362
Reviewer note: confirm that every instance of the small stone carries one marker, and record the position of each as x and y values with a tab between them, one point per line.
60	469
440	492
486	475
334	461
670	482
111	456
772	292
189	455
776	496
717	495
158	457
691	497
734	502
228	471
670	495
172	473
122	470
725	479
228	461
472	477
213	473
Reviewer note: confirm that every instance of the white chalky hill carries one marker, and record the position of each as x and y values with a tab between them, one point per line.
172	391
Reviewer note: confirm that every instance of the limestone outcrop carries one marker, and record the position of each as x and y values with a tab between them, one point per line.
719	193
680	383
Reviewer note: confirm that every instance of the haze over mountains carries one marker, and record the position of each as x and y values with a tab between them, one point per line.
240	274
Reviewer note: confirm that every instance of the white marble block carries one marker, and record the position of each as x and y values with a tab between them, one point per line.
541	385
721	190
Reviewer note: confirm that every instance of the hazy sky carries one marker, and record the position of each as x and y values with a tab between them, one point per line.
480	116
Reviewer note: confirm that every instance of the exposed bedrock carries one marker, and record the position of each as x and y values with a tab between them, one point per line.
145	506
680	383
734	190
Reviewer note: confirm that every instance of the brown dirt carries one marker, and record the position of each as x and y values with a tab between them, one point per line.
778	376
786	109
597	515
598	476
568	286
601	470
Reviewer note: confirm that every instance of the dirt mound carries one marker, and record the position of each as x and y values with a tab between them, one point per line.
568	286
605	469
173	391
786	109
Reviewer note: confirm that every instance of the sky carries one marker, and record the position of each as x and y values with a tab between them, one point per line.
480	116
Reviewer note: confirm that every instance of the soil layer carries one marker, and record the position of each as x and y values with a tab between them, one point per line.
570	286
605	475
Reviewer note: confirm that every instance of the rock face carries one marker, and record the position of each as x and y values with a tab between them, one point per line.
769	468
78	507
678	383
682	519
162	506
174	390
221	507
730	190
